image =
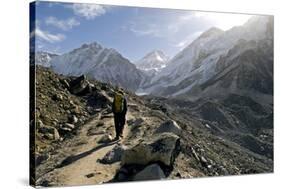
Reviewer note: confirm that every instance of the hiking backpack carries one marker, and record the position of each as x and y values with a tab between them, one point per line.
118	103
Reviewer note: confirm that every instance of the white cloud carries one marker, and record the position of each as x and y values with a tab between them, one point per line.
141	28
150	31
89	11
161	25
62	24
223	21
47	36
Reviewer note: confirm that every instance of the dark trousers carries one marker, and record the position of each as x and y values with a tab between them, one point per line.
119	121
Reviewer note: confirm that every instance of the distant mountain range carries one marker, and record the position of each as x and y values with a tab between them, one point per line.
236	60
97	62
239	60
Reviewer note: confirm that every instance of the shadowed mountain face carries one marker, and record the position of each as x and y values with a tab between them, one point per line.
249	73
237	60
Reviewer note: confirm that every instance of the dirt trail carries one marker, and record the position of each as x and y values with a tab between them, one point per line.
82	167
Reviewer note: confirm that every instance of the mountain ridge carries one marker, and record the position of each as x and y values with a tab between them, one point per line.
97	62
198	62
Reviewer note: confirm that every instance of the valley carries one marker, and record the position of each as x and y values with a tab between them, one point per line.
207	111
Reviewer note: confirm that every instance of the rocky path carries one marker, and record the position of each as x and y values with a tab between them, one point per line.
78	159
81	167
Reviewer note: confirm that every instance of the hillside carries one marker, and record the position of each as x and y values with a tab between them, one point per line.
164	138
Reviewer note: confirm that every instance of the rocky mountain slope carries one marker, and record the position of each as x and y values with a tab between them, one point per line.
164	138
214	62
97	62
215	55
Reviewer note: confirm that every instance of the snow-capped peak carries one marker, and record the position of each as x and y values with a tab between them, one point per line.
155	60
101	63
44	58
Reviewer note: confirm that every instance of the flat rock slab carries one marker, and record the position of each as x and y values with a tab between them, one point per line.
160	148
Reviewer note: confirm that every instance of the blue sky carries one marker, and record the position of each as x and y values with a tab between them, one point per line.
133	31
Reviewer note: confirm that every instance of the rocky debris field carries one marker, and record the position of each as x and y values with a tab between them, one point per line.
163	139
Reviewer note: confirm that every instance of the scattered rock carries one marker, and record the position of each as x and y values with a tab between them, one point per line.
73	119
50	132
93	131
151	172
106	116
66	128
223	171
178	175
208	126
169	126
204	162
105	139
69	125
39	123
41	158
100	124
90	175
160	148
114	155
65	83
91	87
136	123
195	154
57	97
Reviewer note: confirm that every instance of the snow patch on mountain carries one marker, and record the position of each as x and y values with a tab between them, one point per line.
44	58
97	62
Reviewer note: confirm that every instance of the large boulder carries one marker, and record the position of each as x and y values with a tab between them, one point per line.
113	155
169	126
159	148
151	172
79	85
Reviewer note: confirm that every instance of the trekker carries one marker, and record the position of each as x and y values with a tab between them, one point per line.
119	109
